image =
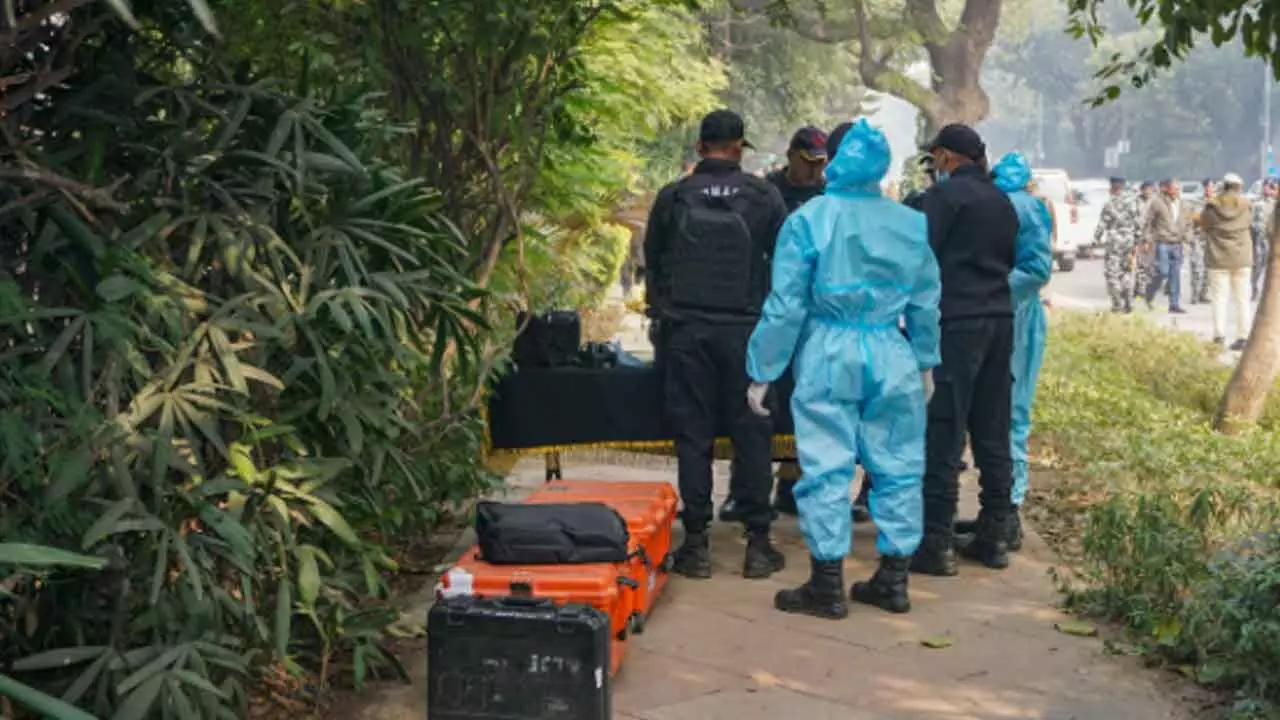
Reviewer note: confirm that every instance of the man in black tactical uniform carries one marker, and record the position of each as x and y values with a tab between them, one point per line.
973	229
708	248
799	182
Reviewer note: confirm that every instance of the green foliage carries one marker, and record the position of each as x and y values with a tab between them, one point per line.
1182	25
230	388
1213	124
780	80
246	322
1179	522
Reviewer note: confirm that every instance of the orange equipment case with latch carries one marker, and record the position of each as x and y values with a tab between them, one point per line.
649	510
607	587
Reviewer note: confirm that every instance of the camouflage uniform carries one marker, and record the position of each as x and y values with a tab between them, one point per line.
1262	217
1144	271
1119	231
1195	256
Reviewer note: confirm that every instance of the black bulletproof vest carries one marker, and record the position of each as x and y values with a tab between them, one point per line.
714	257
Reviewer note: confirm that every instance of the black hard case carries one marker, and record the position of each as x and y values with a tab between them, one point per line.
517	659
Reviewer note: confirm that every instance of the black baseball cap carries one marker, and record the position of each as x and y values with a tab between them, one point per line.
837	136
959	139
1117	180
1147	184
723	126
811	143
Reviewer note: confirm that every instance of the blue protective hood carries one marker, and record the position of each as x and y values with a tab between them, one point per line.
1012	173
861	161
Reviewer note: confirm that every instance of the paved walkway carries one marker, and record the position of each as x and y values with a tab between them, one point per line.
716	650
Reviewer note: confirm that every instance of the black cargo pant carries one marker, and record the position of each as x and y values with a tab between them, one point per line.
706	387
973	392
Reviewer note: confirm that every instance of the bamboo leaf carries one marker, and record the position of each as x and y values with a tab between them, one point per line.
308	577
198	682
326	514
117	288
58	659
104	526
284	617
32	556
140	703
145	230
60	345
47	705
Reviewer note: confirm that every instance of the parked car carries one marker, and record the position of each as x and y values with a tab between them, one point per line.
1055	185
1091	195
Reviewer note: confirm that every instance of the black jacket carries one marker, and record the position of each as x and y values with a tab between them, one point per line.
973	230
793	195
764	214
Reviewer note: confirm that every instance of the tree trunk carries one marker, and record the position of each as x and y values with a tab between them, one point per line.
1246	395
953	95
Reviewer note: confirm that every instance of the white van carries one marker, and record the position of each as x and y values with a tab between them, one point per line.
1055	185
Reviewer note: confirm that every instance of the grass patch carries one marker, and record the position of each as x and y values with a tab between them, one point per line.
1177	524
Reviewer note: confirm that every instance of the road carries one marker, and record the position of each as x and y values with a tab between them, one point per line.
1085	289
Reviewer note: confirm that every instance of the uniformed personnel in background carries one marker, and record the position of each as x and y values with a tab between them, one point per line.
1199	277
708	249
1119	232
1263	212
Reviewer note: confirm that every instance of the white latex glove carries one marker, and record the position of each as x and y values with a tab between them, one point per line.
756	393
926	377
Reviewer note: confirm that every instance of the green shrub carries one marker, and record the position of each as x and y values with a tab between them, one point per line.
236	392
1178	538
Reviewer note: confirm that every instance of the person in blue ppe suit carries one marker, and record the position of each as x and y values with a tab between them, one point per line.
1033	263
848	267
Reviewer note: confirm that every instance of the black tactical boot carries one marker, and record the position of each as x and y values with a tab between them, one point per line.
784	500
822	596
936	556
887	588
989	544
762	559
861	504
729	512
1013	539
693	559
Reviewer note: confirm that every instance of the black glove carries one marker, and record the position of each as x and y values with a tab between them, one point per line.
655	333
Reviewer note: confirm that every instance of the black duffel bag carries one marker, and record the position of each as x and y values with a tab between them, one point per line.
560	534
551	339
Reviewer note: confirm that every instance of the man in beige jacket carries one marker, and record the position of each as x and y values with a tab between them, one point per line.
1167	226
1226	222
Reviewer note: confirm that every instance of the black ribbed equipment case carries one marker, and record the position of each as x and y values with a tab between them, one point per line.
517	659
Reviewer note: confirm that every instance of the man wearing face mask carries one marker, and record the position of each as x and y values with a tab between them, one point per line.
973	230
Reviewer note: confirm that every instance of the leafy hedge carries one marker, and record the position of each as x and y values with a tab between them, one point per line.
234	392
1180	526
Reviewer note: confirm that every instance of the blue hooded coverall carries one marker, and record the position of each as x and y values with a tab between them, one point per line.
1032	265
848	266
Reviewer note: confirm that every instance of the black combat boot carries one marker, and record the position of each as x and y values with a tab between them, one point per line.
762	559
936	556
1014	535
1013	538
729	511
822	596
989	543
784	500
861	504
693	559
887	588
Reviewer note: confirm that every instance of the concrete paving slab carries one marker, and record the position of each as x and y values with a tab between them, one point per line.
717	650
